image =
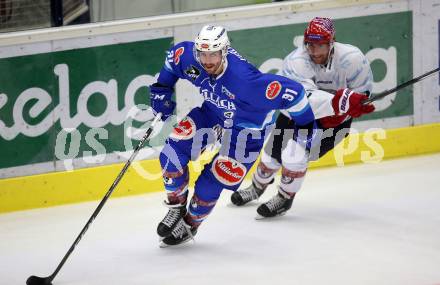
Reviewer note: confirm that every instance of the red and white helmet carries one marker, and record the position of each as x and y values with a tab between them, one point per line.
320	30
212	38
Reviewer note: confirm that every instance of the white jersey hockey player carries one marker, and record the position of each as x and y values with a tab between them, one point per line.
337	78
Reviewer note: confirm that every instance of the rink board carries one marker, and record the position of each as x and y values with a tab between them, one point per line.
86	184
77	113
65	133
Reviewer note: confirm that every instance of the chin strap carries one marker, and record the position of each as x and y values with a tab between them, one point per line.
331	52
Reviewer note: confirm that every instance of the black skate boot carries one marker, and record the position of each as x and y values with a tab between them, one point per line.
253	192
169	223
181	234
277	206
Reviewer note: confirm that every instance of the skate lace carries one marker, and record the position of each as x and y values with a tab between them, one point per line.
181	229
173	215
248	194
275	203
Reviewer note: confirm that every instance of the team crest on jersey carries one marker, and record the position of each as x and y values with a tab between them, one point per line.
185	130
192	72
228	170
178	54
273	90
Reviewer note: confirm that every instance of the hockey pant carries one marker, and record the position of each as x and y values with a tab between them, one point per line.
283	151
239	150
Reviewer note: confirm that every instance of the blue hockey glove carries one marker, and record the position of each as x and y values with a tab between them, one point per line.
160	100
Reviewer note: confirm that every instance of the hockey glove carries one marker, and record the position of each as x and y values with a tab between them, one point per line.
160	100
332	121
348	102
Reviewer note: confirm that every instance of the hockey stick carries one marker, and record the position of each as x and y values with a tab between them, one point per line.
398	87
35	280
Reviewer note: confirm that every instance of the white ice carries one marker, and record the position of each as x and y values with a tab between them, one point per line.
359	224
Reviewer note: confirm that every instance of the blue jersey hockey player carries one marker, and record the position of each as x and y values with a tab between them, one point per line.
239	104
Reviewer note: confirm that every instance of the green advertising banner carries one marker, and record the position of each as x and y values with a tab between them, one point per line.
89	90
387	39
74	103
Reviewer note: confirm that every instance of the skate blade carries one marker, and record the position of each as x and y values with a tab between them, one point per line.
260	217
164	245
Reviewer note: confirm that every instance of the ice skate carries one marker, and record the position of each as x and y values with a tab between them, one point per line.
182	233
244	196
168	224
278	205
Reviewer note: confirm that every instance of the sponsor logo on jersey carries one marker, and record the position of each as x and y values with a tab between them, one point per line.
193	72
217	101
324	82
273	89
178	54
228	171
228	93
185	130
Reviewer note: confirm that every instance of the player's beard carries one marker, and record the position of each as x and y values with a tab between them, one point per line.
213	69
321	59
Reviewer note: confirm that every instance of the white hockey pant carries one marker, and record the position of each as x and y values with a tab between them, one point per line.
293	168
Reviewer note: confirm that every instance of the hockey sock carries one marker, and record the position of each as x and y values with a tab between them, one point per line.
176	185
198	211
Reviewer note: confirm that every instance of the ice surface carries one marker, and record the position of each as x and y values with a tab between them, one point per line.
360	224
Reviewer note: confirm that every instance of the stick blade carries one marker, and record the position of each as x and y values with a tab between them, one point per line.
35	280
